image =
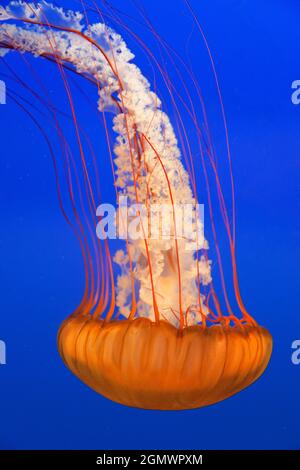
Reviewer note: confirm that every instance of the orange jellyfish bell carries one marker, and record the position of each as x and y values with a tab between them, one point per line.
151	333
153	365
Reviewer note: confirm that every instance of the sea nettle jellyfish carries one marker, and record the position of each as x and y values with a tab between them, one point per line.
150	331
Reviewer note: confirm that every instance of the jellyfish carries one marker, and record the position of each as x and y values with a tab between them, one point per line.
150	331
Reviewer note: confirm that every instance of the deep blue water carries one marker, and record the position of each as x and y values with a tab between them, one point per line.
255	45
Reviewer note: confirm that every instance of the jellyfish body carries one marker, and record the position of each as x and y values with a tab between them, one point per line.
152	365
159	338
